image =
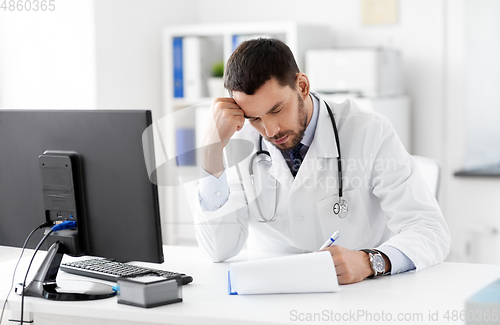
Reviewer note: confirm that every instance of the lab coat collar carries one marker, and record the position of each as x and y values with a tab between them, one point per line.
324	137
279	169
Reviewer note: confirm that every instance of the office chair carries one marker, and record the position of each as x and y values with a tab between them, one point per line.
431	171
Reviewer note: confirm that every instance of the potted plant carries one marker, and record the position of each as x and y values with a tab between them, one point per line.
216	81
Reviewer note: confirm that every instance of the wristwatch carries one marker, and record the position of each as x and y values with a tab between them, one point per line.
377	262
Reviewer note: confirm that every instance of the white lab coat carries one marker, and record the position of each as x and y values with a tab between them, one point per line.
389	202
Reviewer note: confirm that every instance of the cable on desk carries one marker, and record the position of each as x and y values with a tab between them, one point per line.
44	225
64	225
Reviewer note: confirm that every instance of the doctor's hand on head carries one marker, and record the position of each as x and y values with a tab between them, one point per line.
227	119
352	266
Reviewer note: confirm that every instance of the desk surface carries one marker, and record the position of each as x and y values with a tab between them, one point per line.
413	297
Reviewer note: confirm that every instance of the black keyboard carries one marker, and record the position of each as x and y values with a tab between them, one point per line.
103	269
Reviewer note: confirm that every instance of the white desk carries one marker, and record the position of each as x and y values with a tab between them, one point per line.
442	288
9	253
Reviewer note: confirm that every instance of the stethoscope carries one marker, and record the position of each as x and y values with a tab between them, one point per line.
340	208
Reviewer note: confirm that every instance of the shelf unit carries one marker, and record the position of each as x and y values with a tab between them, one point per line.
177	218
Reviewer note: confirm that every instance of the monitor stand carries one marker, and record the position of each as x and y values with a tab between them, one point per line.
44	283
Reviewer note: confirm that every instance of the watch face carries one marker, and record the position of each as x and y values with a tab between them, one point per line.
378	263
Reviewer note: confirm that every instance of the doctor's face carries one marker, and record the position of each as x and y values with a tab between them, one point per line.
277	112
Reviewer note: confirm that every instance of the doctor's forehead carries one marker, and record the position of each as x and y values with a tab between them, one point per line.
268	97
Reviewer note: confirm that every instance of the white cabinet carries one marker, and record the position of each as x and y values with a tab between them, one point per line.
203	45
395	108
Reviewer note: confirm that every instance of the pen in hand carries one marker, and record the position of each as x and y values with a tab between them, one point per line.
330	240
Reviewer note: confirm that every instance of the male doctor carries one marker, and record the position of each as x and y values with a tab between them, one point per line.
391	213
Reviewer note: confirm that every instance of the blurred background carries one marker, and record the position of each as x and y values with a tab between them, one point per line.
431	66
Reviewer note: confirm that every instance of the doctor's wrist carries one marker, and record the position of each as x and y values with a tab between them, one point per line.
367	268
212	161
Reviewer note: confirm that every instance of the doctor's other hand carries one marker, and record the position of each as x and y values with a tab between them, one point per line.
227	119
351	266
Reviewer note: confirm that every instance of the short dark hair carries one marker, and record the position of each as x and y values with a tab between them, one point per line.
256	61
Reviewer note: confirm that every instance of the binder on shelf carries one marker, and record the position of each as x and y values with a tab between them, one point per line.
178	67
237	40
185	147
193	58
193	67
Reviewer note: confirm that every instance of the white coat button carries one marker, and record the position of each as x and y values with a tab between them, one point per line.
298	217
218	193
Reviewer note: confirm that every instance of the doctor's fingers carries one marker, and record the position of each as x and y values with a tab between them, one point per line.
220	104
350	266
346	272
227	124
345	265
337	256
223	99
227	110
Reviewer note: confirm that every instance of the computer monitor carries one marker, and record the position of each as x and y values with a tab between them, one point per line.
122	217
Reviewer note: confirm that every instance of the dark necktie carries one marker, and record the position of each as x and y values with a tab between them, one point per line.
296	159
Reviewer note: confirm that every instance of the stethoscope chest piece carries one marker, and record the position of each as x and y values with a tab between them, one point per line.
340	209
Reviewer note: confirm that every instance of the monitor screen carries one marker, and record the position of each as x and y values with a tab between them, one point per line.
122	209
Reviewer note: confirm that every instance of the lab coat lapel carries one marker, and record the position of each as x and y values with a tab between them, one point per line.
308	167
324	137
279	168
322	148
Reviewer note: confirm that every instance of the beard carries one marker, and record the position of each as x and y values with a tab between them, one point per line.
294	136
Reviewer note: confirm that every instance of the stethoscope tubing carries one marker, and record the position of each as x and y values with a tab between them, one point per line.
339	157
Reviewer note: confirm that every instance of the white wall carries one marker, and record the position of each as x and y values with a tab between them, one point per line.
102	54
128	50
47	58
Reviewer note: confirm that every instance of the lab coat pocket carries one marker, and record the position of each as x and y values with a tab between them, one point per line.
355	229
